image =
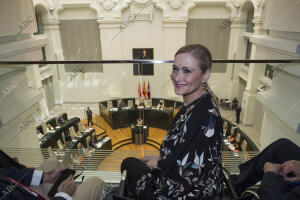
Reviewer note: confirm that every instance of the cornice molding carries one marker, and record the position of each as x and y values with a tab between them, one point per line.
208	2
175	23
22	47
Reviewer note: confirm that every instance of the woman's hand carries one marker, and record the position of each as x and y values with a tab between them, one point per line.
152	163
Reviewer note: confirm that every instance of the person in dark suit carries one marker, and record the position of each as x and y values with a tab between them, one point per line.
238	113
122	105
60	120
89	114
6	161
234	103
144	55
278	169
146	68
15	183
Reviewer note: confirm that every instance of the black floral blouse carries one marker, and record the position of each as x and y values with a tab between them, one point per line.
190	164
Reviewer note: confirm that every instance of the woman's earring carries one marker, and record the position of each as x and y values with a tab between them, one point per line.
204	86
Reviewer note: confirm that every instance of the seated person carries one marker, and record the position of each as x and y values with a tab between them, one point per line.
39	134
160	105
7	161
140	122
278	169
237	147
60	120
39	181
67	136
142	103
93	142
231	138
122	105
49	128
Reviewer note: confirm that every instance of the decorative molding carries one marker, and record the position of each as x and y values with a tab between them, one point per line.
175	3
108	4
176	23
238	22
62	6
51	24
75	5
138	13
236	3
210	2
108	24
257	3
141	1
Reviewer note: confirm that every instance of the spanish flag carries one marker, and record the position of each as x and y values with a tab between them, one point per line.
144	89
140	91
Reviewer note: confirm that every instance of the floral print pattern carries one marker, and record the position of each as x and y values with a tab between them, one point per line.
190	155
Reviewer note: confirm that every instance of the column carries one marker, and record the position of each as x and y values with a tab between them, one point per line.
256	70
54	52
236	51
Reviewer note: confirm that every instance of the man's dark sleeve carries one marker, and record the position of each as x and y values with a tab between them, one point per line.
273	187
6	161
23	176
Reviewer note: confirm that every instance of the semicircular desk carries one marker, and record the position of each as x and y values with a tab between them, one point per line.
126	116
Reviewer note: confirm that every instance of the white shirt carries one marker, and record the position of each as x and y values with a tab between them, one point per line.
36	180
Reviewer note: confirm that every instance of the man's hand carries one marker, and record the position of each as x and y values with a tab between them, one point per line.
291	167
272	167
67	186
52	176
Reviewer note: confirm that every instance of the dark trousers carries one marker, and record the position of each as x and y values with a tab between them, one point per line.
237	113
90	120
135	169
278	152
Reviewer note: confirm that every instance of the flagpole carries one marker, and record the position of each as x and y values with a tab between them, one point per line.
141	91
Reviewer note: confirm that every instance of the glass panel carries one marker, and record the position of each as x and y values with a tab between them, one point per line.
131	114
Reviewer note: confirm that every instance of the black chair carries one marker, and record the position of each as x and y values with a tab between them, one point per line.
246	195
123	190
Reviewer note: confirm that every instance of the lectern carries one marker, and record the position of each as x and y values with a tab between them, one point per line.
139	133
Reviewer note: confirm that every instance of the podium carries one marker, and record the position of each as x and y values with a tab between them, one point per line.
139	133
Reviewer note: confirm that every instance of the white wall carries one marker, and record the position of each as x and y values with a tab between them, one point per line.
282	15
281	105
164	32
117	79
12	23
